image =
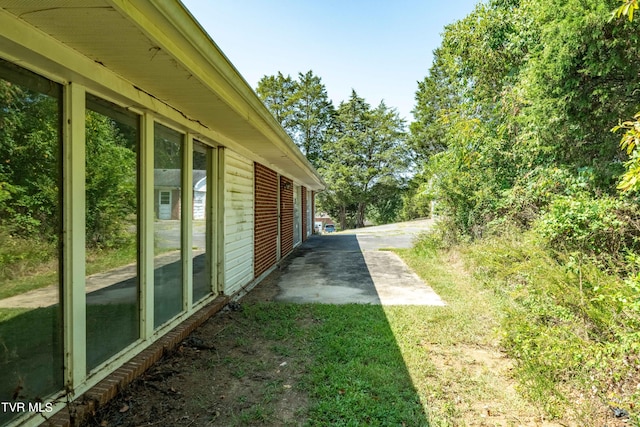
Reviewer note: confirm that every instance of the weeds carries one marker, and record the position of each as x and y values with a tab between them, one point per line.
570	326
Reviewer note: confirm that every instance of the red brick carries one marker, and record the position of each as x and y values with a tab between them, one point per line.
108	388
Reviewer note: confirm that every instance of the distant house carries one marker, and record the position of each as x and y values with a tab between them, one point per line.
148	70
168	190
323	219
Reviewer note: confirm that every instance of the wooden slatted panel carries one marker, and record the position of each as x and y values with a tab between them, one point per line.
286	216
239	225
266	219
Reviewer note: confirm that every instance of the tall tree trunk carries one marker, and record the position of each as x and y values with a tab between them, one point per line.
343	217
362	207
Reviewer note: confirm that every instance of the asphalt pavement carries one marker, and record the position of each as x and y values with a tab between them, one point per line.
356	266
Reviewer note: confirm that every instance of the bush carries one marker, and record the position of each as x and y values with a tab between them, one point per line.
602	227
568	324
416	202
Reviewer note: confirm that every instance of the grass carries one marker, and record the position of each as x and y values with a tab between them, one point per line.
521	340
569	328
508	349
394	365
524	335
572	326
399	365
354	372
358	376
453	353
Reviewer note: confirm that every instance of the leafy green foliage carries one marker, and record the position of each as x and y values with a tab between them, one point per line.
358	150
511	132
313	116
278	94
385	206
111	182
363	161
417	200
602	226
569	325
29	168
302	107
627	9
517	90
631	178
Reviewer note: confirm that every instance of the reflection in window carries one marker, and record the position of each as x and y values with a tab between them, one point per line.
31	365
201	261
168	290
112	135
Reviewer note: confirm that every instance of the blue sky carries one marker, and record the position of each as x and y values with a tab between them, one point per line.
380	48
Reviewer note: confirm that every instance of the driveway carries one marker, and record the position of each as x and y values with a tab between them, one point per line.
353	267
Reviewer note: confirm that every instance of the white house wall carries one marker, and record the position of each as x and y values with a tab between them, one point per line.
168	73
239	222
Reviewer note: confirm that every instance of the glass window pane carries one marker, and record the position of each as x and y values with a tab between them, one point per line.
201	261
112	136
31	362
168	291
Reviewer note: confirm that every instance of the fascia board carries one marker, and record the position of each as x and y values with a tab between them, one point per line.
184	39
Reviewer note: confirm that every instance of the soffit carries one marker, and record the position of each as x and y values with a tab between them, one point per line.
156	57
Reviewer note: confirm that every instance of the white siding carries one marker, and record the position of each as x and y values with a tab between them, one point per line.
238	217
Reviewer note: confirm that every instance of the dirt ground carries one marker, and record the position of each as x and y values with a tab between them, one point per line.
221	375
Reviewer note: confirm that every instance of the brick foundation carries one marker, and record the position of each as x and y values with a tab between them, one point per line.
108	388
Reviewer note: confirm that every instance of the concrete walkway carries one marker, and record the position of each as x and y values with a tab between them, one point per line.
350	267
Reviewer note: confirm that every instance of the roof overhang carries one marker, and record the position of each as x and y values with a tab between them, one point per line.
157	47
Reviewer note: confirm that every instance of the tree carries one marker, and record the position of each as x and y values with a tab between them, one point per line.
366	150
279	95
631	138
110	182
302	107
465	116
30	172
29	166
313	115
358	150
520	88
578	82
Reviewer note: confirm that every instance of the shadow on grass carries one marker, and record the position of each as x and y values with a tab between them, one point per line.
357	375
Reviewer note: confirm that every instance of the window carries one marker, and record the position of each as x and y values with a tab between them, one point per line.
201	222
112	289
168	281
31	350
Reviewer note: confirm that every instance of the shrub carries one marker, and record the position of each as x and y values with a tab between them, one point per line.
567	324
604	227
416	202
443	235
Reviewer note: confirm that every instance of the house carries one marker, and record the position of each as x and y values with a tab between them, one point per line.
132	102
167	193
323	219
